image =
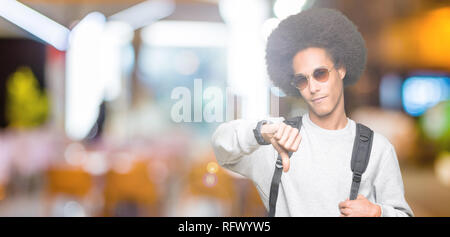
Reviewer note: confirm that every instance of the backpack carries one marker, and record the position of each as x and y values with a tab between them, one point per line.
360	158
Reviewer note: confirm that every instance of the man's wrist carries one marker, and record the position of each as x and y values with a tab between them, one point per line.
258	135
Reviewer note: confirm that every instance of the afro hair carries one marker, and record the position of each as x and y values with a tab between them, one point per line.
317	27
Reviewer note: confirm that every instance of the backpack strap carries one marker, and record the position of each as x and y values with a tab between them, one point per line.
362	147
295	122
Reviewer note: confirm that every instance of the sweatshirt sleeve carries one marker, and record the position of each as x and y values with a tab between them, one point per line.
236	149
233	140
389	187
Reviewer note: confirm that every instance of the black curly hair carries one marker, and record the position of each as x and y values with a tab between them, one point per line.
317	27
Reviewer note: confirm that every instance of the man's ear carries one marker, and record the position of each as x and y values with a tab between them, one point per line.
342	72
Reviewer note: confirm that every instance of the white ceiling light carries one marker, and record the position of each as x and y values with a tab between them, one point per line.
145	13
35	23
285	8
84	83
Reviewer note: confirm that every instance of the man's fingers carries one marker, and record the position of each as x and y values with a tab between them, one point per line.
285	136
296	143
360	197
280	131
269	130
277	146
345	211
284	140
344	204
292	136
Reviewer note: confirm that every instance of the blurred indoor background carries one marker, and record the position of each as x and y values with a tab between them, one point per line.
107	107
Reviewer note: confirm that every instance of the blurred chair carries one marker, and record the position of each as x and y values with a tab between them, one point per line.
208	191
127	193
2	192
66	181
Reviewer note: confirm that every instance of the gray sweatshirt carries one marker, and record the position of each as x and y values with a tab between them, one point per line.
319	177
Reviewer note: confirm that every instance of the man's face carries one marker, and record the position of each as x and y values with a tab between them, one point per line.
322	97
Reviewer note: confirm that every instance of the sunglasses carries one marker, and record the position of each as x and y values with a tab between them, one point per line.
300	81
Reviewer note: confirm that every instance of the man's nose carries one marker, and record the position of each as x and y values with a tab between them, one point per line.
313	85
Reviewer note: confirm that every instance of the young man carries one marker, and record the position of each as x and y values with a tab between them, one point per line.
313	55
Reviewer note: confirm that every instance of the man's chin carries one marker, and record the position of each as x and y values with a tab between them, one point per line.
319	112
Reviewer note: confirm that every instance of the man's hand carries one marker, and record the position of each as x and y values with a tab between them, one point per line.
361	207
284	138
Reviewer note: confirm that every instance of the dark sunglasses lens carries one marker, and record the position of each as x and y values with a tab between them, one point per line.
300	81
321	74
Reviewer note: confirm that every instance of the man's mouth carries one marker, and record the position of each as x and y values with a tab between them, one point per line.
318	100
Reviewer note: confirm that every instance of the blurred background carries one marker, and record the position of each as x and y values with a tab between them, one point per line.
107	107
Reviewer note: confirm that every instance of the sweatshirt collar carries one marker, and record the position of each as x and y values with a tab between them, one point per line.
347	130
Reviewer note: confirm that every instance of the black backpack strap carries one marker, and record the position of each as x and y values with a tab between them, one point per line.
276	179
362	147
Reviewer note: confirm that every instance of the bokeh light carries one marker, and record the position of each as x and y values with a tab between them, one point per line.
209	180
421	93
212	167
75	154
436	123
442	168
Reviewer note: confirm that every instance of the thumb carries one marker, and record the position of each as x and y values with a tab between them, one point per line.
360	197
285	159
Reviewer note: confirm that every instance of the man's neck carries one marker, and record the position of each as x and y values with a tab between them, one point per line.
337	119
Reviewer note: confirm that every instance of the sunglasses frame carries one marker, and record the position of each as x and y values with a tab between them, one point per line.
311	75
